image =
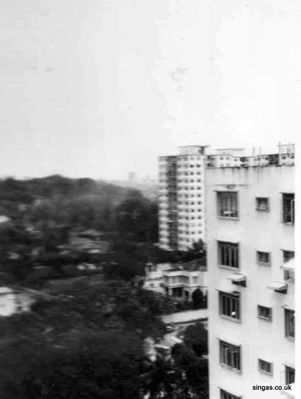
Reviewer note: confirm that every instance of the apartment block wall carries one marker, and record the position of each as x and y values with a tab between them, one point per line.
182	198
253	230
190	196
168	229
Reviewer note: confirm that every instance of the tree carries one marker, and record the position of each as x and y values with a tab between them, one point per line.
197	298
84	342
199	246
196	337
136	219
195	370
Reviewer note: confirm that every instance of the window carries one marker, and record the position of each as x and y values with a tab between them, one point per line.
288	208
289	375
227	395
265	367
289	316
288	274
287	255
227	204
228	254
262	204
229	305
264	313
230	355
263	257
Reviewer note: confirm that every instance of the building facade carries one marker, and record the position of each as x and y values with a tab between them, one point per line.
250	250
181	198
182	182
14	301
177	280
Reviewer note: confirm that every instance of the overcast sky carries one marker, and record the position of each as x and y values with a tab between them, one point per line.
102	87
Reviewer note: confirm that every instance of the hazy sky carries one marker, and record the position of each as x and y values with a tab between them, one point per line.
102	87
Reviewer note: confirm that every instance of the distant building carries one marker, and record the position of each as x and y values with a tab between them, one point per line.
181	198
132	177
14	301
88	241
153	280
4	220
178	280
250	250
225	158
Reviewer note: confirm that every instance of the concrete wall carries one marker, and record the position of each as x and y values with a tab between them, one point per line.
191	199
254	231
185	317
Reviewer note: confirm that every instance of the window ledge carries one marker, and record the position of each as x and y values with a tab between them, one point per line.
265	372
228	267
262	210
290	339
264	318
236	371
263	264
223	316
228	218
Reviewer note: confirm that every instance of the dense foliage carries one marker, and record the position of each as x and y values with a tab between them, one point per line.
84	340
45	213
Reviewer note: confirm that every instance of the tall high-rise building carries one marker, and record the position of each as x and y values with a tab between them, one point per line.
181	198
250	255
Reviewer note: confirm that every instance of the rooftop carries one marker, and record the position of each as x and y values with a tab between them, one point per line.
5	290
194	265
191	266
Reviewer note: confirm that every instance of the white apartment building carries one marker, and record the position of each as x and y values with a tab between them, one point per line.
226	157
181	198
250	250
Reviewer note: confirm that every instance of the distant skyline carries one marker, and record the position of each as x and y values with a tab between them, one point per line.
101	88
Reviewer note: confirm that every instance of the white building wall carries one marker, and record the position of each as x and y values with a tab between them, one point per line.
188	214
253	230
7	302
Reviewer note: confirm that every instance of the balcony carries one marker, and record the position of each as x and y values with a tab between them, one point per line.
238	279
279	287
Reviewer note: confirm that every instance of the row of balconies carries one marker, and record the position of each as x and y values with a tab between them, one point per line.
189	234
178	199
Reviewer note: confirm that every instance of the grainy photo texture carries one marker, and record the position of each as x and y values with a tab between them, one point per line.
147	198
